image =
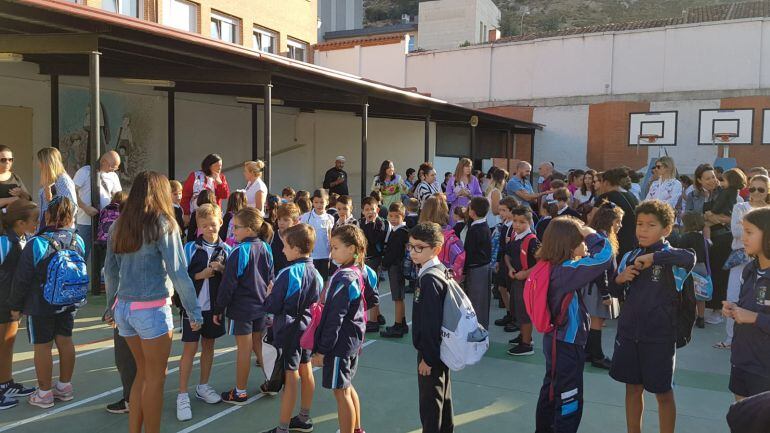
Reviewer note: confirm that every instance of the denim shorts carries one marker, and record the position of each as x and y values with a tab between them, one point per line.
147	323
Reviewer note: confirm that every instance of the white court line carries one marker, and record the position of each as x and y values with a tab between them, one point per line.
89	399
90	352
232	409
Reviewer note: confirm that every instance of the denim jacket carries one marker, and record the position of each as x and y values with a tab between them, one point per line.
151	273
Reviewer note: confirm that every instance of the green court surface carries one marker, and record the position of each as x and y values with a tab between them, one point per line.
497	395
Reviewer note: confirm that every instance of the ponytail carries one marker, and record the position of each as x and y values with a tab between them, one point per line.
251	218
60	212
19	210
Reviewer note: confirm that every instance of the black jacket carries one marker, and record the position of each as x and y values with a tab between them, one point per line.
428	315
375	233
198	260
10	252
333	174
751	342
248	271
478	245
295	289
395	247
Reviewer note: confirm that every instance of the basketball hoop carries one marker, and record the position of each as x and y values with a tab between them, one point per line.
648	138
724	138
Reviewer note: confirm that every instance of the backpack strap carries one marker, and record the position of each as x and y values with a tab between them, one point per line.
524	250
52	242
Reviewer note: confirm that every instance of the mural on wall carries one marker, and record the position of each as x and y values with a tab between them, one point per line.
125	126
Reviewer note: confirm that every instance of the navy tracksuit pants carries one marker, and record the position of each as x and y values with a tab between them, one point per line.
564	372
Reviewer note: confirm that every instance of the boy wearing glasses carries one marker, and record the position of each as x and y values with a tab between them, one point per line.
435	390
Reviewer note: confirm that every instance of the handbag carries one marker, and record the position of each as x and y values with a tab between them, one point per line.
703	284
736	258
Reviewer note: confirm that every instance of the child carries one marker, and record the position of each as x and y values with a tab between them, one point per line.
478	255
47	323
412	212
548	212
296	288
323	223
19	219
433	381
393	261
107	218
692	238
563	199
461	218
382	212
176	198
205	262
340	333
271	208
345	211
242	293
287	195
375	229
596	295
288	216
205	196
577	255
235	203
750	359
523	242
331	207
504	233
645	345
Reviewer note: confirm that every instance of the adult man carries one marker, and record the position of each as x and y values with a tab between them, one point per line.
109	184
336	179
519	186
545	172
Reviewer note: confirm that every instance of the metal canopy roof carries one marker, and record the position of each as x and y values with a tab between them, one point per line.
59	35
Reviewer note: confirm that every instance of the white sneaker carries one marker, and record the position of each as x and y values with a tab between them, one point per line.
183	410
714	319
207	394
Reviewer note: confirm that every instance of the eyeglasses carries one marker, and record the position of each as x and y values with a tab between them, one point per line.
416	248
6	160
236	226
752	189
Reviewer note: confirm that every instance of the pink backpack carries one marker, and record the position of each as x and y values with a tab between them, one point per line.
452	254
307	340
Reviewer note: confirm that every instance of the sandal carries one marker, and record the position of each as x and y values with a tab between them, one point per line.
721	345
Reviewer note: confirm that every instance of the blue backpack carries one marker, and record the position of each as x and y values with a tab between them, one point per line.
66	281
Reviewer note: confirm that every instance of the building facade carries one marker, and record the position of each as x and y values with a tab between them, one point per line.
338	15
286	27
446	24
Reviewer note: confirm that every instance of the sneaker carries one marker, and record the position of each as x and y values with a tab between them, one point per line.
118	407
381	320
265	389
296	425
272	430
515	341
9	402
233	397
372	327
65	394
503	320
394	331
257	363
13	390
183	410
37	400
404	328
700	323
714	319
522	350
207	394
604	364
511	327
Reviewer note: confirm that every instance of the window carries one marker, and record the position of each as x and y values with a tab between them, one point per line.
225	28
412	44
180	14
123	7
265	40
297	50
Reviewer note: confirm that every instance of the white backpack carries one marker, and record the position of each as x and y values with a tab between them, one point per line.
463	340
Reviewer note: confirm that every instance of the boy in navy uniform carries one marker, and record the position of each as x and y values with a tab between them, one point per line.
478	255
433	381
523	242
393	261
412	213
645	346
296	288
375	229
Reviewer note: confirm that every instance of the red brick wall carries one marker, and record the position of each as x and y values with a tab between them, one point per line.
756	154
608	135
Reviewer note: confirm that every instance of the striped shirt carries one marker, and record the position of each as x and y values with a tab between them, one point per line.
423	191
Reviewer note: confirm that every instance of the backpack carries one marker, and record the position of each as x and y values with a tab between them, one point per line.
452	254
523	251
463	340
536	299
66	281
107	217
230	236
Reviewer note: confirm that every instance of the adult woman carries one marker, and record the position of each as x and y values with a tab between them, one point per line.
426	187
575	180
11	186
145	264
666	187
389	184
494	194
256	190
705	189
759	196
611	191
717	214
585	193
209	177
461	187
54	180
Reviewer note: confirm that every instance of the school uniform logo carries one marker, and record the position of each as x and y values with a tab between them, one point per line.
762	296
657	273
416	294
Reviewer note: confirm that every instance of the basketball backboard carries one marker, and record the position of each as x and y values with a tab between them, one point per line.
654	128
728	127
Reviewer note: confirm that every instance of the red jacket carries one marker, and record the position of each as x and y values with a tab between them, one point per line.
222	191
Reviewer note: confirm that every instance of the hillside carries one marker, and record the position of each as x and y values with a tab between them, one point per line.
549	15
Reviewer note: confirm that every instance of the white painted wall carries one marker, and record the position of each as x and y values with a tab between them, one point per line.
564	140
463	73
687	154
383	63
